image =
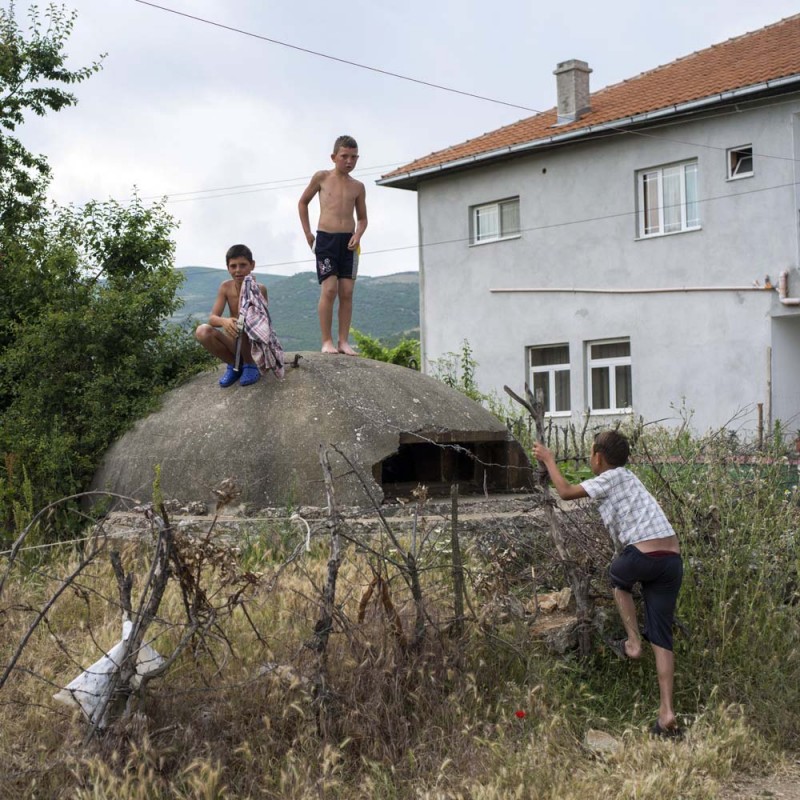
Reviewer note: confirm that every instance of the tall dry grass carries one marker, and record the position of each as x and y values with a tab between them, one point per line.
238	715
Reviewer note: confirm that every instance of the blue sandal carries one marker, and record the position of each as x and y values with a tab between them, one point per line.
230	377
250	375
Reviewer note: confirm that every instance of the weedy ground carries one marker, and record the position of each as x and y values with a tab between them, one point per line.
250	710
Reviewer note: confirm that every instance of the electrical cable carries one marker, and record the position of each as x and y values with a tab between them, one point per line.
304	179
291	183
534	228
336	58
430	84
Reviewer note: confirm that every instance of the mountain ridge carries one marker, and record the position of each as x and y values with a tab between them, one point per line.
385	307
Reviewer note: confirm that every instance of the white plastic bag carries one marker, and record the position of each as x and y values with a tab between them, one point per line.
91	687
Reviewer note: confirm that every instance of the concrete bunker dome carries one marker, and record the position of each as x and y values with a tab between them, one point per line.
393	424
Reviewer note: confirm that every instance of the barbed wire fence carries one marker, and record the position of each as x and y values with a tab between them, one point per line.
207	613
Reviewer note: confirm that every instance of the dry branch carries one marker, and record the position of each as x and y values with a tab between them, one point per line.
124	583
408	569
458	565
395	623
578	579
121	689
324	626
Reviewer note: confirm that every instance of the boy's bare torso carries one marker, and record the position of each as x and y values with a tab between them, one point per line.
231	292
337	200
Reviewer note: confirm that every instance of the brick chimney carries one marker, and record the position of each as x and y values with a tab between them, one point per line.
572	85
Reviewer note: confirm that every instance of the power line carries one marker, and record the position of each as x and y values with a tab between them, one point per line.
615	130
535	228
264	188
612	131
610	126
304	178
336	58
376	169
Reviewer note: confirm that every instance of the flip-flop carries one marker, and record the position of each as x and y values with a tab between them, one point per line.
230	377
617	646
250	375
665	733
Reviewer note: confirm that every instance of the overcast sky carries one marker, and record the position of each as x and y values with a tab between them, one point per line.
183	106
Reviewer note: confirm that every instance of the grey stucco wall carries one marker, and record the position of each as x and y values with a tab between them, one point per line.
709	351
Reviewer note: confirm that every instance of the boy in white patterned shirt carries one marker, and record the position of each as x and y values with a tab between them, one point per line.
651	557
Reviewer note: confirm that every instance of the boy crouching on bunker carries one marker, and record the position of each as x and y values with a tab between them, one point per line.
651	557
221	334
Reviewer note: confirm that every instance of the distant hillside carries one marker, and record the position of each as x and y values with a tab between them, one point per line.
386	307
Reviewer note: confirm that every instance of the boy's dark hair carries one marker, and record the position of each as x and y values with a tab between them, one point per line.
344	141
614	447
238	251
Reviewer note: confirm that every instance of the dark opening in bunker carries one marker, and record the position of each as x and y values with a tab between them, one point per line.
478	461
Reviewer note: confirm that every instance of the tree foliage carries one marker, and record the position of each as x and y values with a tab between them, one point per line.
405	352
85	294
87	350
33	74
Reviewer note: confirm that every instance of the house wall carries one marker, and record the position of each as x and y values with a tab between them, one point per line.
708	351
786	371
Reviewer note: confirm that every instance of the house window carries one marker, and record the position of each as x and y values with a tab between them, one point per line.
550	372
495	221
668	200
740	162
610	386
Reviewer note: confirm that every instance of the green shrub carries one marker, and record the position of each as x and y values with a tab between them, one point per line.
405	353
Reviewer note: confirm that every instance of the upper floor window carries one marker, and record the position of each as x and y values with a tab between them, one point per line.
549	371
610	385
494	221
668	199
740	162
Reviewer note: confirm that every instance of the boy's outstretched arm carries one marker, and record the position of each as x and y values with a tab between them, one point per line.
565	489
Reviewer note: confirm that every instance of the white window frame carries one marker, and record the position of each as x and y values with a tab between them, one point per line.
477	236
610	364
689	217
551	370
734	156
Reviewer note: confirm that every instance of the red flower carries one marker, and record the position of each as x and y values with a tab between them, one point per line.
519	714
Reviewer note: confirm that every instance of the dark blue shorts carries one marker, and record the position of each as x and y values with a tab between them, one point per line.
660	577
333	257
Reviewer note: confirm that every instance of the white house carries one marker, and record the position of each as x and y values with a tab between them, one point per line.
635	248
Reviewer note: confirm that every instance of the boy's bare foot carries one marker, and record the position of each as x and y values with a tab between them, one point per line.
329	348
345	349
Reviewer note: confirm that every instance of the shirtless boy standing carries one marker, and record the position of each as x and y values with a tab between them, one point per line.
337	239
222	343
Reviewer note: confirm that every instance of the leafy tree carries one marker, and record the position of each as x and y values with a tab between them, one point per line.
405	352
33	79
94	353
33	73
85	294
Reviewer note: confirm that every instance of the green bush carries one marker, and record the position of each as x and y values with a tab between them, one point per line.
457	370
86	347
405	353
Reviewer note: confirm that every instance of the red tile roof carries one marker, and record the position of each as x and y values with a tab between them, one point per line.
764	55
